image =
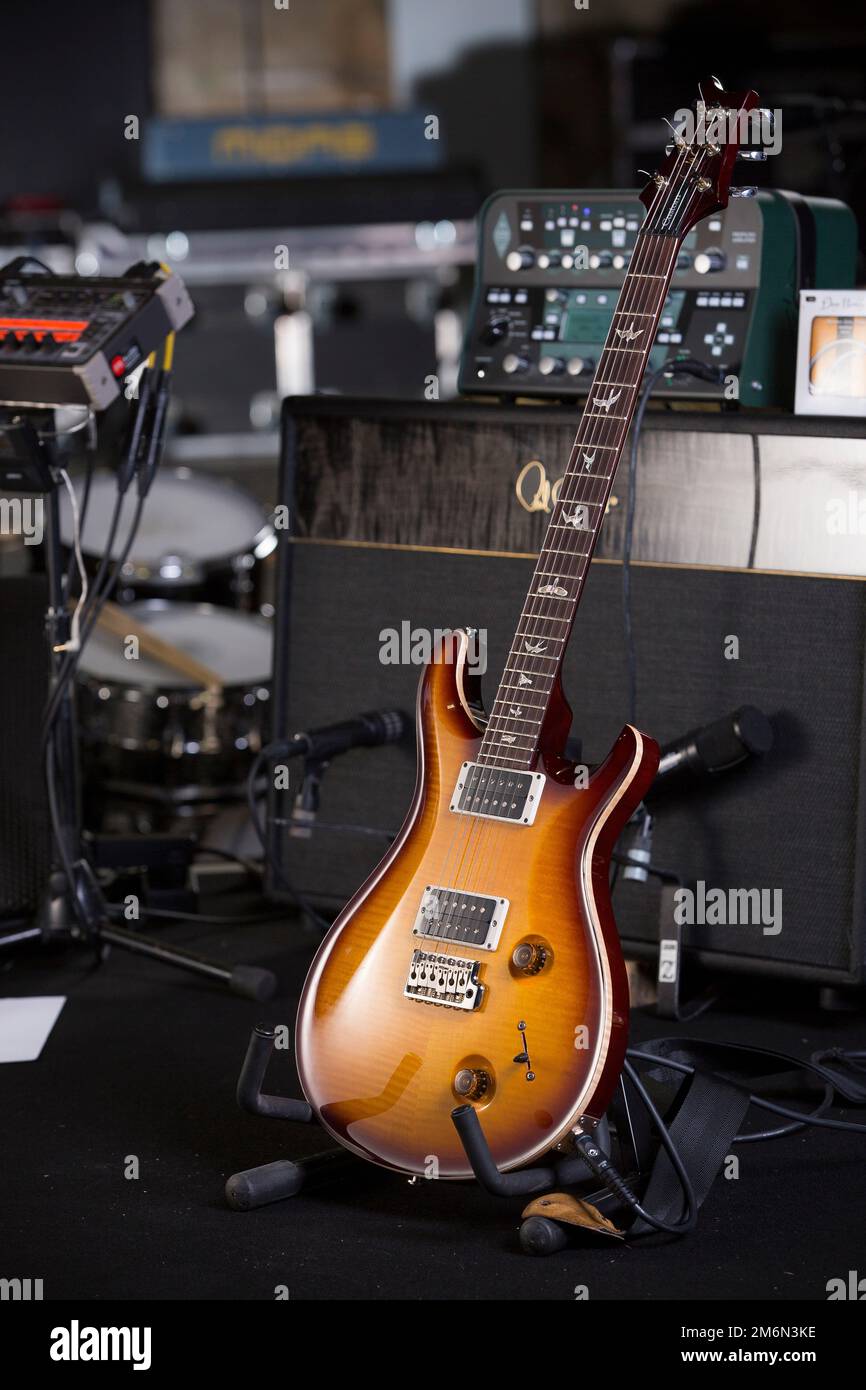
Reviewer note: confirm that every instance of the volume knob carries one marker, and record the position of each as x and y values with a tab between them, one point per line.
529	957
512	363
521	259
551	366
471	1083
706	261
496	329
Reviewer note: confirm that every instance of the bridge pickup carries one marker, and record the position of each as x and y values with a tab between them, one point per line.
473	919
448	980
496	793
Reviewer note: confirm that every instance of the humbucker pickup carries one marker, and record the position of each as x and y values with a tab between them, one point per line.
473	919
497	793
448	980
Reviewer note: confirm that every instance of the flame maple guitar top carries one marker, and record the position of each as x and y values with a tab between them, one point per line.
384	1070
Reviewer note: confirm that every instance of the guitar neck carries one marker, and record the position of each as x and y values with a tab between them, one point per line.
535	658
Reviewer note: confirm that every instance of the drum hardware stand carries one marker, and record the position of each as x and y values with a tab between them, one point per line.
277	1181
74	891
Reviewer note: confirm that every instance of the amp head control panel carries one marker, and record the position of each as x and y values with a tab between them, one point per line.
551	265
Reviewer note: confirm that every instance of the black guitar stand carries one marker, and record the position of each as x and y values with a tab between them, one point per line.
539	1235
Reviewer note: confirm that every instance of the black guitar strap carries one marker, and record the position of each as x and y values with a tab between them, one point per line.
709	1107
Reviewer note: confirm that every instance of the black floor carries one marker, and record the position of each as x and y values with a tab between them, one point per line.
144	1061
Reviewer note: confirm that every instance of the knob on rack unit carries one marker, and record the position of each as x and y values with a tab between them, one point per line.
551	263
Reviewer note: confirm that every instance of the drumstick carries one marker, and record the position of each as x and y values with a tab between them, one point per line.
121	623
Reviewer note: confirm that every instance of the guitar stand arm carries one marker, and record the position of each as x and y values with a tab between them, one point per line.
274	1182
250	1095
517	1184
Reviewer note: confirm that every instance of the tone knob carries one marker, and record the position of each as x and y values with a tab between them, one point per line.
529	957
575	365
512	363
521	259
708	261
495	330
555	296
471	1083
551	366
601	260
684	260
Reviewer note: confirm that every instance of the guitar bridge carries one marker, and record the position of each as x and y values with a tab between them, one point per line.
449	980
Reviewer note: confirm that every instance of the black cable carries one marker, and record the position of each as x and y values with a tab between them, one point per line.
802	1120
56	822
272	750
104	583
92	610
599	1163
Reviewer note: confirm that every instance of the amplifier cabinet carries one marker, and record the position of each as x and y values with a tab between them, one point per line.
411	519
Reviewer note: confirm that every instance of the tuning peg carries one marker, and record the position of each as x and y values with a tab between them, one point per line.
748	192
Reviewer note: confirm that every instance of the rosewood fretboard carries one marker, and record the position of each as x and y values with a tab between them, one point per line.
537	650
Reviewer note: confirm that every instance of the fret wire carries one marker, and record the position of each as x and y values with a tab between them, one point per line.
527	662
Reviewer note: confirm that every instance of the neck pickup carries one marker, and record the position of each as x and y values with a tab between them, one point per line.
498	793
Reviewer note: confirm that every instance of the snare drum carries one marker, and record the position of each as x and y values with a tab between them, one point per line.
150	734
200	538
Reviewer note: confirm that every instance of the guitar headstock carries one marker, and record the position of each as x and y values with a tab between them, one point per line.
694	178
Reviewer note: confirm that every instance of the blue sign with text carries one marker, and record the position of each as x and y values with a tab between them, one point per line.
244	147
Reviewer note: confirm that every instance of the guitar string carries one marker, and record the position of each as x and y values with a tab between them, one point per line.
568	567
573	491
661	255
650	257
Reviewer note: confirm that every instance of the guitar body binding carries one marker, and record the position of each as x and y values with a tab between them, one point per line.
480	960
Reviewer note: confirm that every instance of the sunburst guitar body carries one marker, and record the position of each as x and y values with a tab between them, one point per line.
523	1010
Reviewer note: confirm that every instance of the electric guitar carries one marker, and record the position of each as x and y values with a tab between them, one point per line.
480	962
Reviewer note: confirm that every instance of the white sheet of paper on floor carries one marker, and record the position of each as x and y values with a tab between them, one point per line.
25	1025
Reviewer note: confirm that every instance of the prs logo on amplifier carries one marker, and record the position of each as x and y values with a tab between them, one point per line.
536	493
